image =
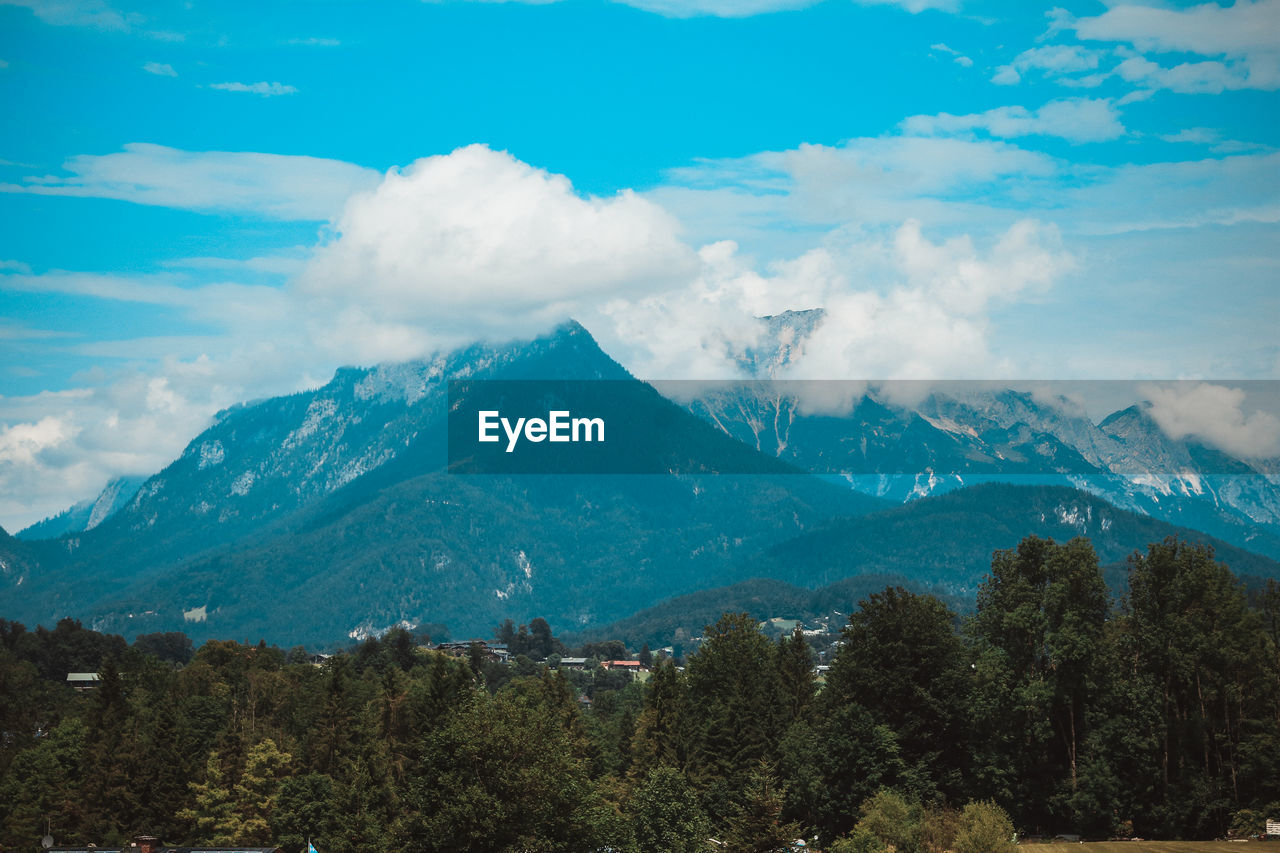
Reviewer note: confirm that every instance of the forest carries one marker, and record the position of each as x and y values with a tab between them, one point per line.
1055	706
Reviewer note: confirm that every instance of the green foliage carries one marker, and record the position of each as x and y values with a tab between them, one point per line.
213	814
902	662
304	809
893	820
171	646
666	815
501	775
756	824
731	710
658	739
861	840
266	767
1160	716
855	758
1039	632
984	827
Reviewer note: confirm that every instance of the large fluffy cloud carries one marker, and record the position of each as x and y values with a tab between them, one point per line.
478	240
1215	414
898	304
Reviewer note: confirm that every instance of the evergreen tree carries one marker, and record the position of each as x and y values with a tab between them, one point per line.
732	710
659	728
756	824
500	775
797	684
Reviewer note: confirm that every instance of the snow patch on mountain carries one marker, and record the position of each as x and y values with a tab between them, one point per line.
1073	517
241	485
320	410
366	629
211	454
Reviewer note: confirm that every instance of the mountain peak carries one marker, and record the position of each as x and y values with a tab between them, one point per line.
781	342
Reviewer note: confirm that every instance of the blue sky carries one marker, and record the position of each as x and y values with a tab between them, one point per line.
204	203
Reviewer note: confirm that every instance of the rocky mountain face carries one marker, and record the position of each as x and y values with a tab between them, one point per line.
87	514
335	507
904	440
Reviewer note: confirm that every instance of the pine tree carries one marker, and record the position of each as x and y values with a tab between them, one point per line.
732	710
796	678
658	729
756	824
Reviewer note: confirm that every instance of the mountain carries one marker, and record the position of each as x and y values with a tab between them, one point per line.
947	435
86	514
334	513
341	511
782	338
18	561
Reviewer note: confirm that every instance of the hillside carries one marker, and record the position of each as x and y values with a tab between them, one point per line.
948	539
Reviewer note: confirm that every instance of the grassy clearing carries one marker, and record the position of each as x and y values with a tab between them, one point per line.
1155	847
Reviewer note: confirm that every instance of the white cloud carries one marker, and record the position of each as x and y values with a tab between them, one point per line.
95	14
316	42
919	249
1214	414
12	332
1201	78
279	264
898	305
746	8
1194	136
916	6
57	448
1074	119
4	63
717	8
956	56
1242	28
962	183
1052	60
271	185
1243	39
1177	195
867	181
266	90
160	69
477	239
92	14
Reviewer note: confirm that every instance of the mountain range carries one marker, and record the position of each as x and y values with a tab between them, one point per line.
903	440
333	514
